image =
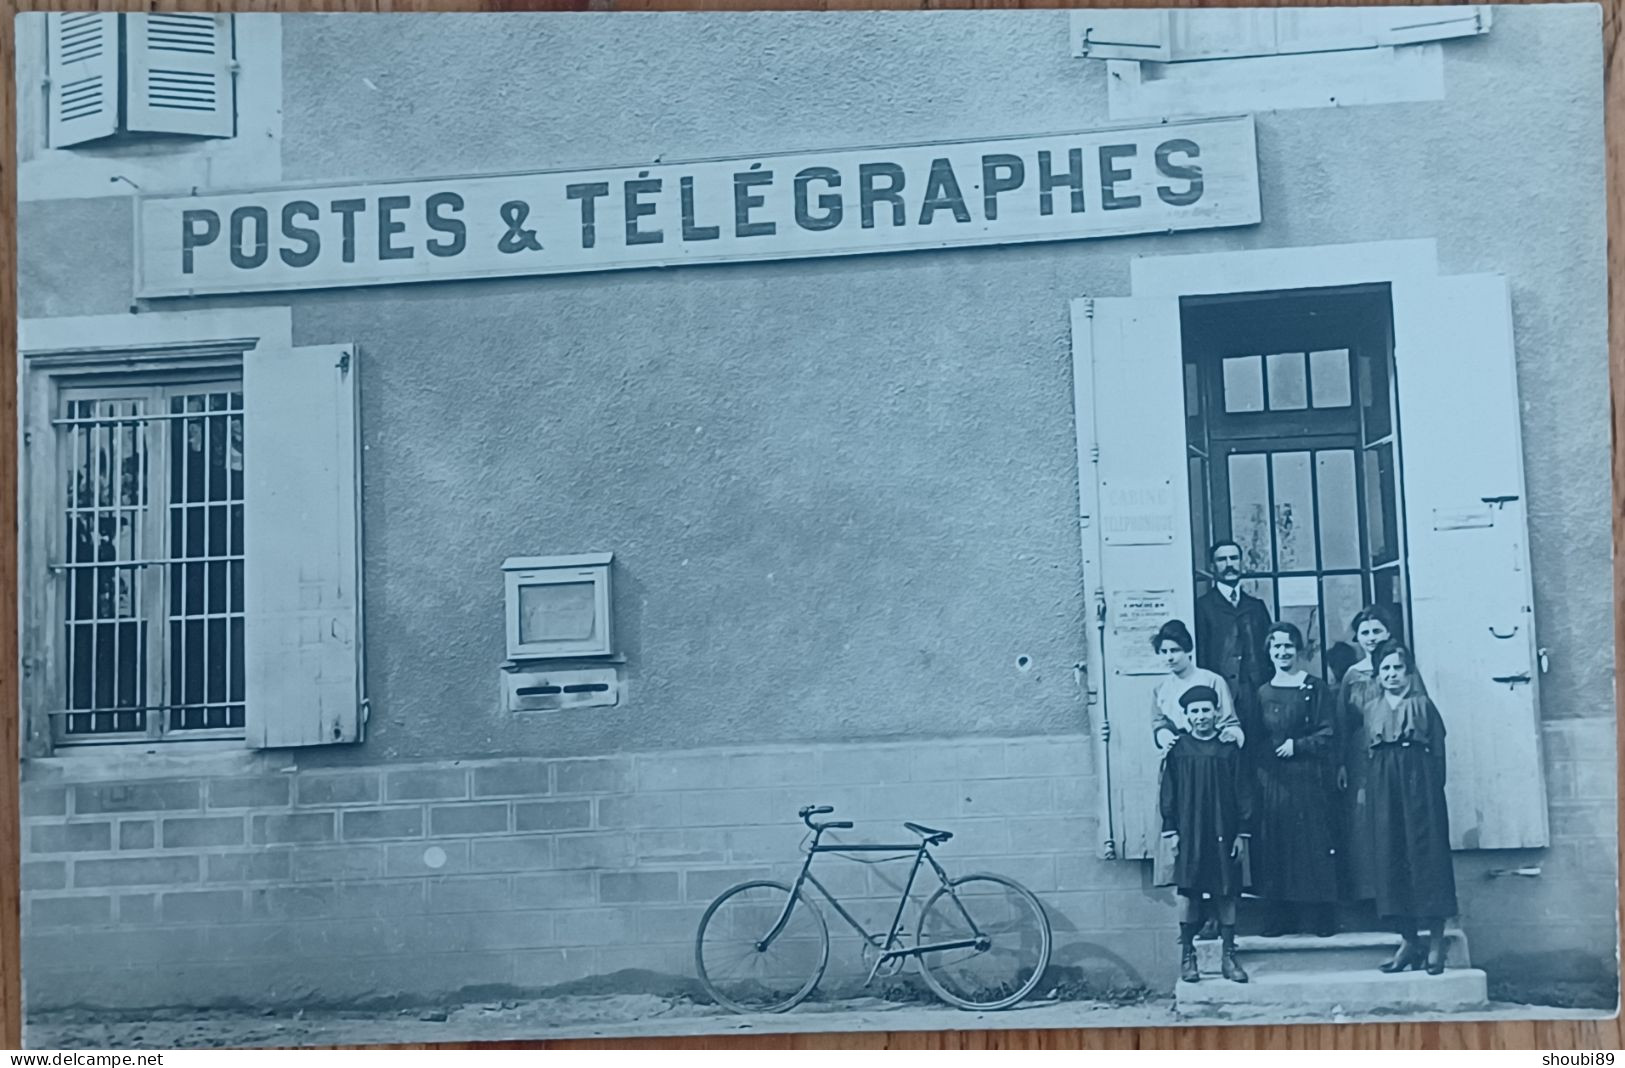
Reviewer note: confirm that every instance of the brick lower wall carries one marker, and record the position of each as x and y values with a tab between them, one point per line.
322	886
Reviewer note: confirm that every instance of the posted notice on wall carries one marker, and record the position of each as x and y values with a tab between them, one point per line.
1133	618
1055	187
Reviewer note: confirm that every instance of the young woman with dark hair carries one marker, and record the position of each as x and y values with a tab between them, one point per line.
1296	754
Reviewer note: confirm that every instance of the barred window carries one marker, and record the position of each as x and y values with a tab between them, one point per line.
152	579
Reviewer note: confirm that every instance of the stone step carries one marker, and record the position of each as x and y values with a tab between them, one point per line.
1353	993
1345	951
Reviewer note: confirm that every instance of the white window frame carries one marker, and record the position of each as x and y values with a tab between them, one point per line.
128	165
49	350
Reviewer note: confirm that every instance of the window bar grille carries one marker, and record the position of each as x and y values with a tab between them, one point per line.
96	553
156	417
124	678
207	456
181	519
115	574
71	606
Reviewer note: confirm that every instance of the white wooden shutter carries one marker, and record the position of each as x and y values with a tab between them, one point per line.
1120	34
302	547
1412	25
1128	373
1236	33
1467	548
82	53
178	76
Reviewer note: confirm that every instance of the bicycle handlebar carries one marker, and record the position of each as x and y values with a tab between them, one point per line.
809	811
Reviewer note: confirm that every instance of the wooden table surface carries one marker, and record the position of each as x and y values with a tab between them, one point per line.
1601	1034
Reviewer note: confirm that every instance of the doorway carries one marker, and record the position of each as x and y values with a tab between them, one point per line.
1290	417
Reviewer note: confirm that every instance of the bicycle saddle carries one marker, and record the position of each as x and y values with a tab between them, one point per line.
930	834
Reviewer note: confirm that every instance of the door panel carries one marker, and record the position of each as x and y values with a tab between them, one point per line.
1461	457
1130	385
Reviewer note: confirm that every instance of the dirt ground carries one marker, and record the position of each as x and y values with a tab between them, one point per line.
603	1016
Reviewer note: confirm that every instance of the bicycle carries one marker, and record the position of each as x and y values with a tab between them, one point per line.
982	941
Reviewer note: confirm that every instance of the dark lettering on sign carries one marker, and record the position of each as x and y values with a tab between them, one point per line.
942	194
829	202
388	227
1001	173
588	193
691	232
745	201
891	192
518	238
1110	175
442	225
193	237
1048	180
634	192
261	248
312	239
1190	173
347	210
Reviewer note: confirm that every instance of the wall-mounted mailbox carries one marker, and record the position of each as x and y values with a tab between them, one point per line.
558	606
545	689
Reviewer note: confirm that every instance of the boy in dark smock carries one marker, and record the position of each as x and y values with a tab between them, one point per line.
1207	810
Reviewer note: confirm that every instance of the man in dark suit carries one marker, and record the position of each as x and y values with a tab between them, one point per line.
1230	632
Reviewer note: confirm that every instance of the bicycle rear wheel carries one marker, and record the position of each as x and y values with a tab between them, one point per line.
1013	949
745	974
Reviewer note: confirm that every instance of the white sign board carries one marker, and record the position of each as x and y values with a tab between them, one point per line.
1139	512
1055	187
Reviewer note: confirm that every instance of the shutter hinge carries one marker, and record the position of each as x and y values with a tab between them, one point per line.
28	438
1088	307
344	362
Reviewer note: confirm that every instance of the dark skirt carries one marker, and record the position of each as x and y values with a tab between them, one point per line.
1295	843
1358	848
1410	826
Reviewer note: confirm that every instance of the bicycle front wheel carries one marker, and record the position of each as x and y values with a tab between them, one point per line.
1010	935
745	969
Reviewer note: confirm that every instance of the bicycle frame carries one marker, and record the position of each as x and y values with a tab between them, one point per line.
889	950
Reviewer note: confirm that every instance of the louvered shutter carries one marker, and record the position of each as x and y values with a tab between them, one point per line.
1121	34
302	547
82	53
1128	375
1467	549
178	76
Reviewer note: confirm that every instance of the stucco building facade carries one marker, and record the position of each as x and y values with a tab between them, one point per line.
842	493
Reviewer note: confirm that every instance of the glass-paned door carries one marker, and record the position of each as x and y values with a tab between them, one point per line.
1289	425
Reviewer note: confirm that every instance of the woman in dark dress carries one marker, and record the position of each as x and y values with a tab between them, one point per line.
1410	823
1207	816
1296	753
1371	628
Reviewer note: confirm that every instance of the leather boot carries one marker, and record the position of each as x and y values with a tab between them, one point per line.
1228	965
1188	971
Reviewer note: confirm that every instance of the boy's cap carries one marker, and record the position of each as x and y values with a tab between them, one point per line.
1198	693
